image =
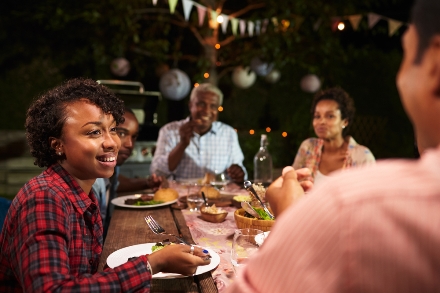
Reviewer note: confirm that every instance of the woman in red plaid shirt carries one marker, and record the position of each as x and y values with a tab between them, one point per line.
52	235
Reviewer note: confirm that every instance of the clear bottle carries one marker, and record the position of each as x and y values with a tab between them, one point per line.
263	163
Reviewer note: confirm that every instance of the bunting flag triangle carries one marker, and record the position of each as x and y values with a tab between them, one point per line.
265	24
393	26
355	20
251	28
317	24
187	6
172	4
154	2
257	27
213	15
201	12
373	18
335	21
275	23
234	26
225	23
242	27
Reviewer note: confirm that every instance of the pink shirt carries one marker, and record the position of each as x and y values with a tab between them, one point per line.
379	231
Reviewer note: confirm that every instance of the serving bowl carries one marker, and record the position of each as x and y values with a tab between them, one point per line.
213	218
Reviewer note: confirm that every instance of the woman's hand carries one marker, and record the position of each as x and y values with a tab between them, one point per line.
178	259
286	189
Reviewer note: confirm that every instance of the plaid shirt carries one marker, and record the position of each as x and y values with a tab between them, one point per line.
216	150
52	241
309	155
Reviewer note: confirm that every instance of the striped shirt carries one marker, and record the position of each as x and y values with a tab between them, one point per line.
52	241
213	152
310	151
377	232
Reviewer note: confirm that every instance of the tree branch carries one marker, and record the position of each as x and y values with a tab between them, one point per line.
247	8
227	40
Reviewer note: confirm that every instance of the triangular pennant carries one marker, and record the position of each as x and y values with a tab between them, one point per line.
242	27
234	26
275	23
265	23
213	15
298	21
201	11
317	24
187	6
251	28
257	27
335	21
355	20
154	2
393	26
373	18
172	4
225	23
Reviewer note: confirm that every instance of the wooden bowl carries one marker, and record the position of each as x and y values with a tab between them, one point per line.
213	218
244	222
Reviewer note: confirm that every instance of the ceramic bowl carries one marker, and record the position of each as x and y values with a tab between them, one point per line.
213	218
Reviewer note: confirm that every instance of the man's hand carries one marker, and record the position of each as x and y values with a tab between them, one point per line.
236	174
186	131
287	188
154	181
178	259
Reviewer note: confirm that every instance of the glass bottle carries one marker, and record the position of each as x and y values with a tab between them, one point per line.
263	163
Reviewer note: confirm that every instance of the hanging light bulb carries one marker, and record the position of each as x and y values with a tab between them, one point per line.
217	46
341	26
220	19
206	75
284	134
251	131
220	109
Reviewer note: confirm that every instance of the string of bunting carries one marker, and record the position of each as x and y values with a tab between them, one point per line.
257	27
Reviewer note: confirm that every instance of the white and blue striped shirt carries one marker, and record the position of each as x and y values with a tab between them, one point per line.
215	151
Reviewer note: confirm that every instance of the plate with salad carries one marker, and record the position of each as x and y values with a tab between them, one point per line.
140	201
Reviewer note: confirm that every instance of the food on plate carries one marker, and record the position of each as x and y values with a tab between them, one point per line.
166	194
210	192
160	245
241	198
208	178
143	200
213	210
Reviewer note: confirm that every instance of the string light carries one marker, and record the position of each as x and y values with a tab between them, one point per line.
284	134
196	84
251	131
341	26
220	19
217	46
268	129
206	75
220	109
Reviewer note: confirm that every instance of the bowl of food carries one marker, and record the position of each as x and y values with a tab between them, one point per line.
243	220
238	199
213	214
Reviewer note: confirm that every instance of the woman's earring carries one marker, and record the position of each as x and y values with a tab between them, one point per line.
60	153
343	126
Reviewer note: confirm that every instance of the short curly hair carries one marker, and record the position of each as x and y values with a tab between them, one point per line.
345	104
46	116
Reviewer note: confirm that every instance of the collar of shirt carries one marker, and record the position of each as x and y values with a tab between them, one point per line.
214	126
80	200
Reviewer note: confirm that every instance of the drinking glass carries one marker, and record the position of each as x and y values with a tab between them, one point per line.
220	180
244	245
195	202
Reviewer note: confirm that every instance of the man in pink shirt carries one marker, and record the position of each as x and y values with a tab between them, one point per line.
378	231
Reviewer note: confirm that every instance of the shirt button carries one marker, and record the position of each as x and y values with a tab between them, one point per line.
91	261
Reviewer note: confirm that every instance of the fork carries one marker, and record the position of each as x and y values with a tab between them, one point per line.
158	229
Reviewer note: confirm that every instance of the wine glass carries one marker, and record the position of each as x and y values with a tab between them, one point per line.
220	180
244	244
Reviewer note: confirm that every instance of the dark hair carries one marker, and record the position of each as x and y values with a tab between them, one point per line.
345	104
424	16
46	116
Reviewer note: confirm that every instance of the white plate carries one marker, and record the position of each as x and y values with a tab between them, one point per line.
121	256
259	238
120	202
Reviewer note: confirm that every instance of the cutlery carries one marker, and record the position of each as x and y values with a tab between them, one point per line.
248	208
248	187
158	229
204	199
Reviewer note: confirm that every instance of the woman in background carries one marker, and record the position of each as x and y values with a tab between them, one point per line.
333	149
52	235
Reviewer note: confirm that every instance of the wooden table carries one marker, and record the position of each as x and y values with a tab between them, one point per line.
128	227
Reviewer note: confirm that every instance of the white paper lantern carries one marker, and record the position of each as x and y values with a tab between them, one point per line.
243	77
310	83
261	68
120	66
174	84
273	76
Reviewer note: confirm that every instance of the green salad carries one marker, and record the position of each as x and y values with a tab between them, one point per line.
148	203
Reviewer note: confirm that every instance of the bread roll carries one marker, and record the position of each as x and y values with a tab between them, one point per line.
166	194
210	192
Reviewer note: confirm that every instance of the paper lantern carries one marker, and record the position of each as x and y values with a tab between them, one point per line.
120	66
243	77
273	76
310	83
261	68
174	84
